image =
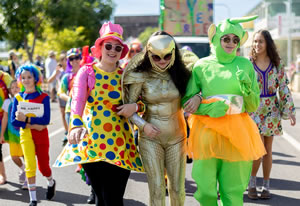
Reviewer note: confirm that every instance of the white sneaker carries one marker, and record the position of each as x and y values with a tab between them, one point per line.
22	177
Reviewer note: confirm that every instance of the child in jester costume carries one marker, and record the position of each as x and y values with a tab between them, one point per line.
223	140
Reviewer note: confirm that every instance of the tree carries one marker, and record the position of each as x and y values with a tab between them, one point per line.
22	17
87	13
56	41
145	35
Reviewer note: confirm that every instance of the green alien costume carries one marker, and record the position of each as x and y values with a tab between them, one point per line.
224	139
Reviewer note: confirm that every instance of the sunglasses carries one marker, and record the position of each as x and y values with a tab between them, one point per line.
135	51
74	58
234	40
157	58
109	46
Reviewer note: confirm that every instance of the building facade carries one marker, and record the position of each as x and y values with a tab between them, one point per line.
282	19
134	25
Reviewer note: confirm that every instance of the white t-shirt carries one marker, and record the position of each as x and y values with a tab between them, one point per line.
50	65
5	105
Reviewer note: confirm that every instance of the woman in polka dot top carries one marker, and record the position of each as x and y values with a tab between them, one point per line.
99	139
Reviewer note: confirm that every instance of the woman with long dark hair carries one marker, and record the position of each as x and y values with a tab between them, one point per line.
158	77
271	79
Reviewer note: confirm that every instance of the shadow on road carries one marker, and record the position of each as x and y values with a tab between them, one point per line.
286	162
18	195
280	184
280	200
133	203
282	154
68	198
277	184
190	188
139	177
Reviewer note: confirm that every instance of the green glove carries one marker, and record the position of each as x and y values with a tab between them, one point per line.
245	81
216	109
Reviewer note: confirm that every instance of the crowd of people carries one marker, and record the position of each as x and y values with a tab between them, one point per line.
231	103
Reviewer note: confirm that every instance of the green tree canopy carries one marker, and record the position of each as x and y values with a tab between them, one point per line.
145	35
56	41
24	17
86	13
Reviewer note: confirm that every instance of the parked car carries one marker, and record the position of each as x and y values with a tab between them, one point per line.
199	45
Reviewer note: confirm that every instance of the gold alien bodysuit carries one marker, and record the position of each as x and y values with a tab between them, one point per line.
167	150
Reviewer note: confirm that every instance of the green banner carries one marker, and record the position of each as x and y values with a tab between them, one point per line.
186	17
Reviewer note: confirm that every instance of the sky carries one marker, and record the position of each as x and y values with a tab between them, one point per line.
223	8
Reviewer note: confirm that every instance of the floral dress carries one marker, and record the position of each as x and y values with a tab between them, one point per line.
276	101
109	135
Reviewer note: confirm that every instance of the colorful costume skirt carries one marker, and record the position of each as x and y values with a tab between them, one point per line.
231	137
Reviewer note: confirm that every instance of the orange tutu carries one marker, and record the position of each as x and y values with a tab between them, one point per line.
231	137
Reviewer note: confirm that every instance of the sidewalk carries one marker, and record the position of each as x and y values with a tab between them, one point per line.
296	95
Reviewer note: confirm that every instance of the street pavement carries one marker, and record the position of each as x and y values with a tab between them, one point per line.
72	191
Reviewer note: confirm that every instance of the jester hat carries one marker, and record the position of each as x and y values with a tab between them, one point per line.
227	26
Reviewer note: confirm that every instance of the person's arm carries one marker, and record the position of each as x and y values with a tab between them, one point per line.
286	103
63	88
127	110
54	74
134	92
193	87
5	108
249	87
13	119
11	69
211	108
3	126
84	82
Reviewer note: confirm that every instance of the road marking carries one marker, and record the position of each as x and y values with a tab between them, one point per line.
50	135
56	132
291	140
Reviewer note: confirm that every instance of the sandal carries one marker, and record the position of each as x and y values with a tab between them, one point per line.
252	193
265	194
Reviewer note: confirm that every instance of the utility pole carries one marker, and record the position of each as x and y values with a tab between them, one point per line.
266	5
289	39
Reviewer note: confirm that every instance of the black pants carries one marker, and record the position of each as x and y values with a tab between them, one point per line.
108	181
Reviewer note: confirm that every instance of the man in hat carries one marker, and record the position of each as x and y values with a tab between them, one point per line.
13	63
